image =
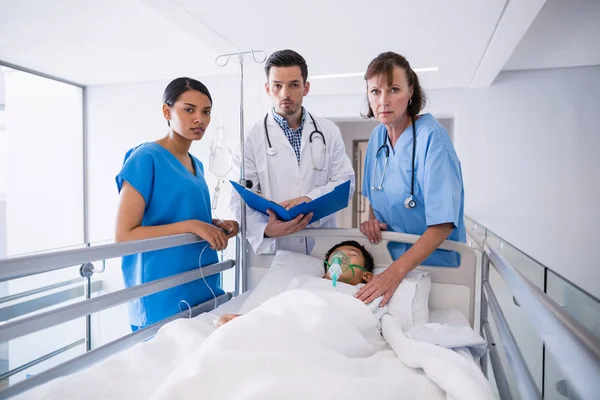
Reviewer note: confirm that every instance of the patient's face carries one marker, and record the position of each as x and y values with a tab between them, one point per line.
355	256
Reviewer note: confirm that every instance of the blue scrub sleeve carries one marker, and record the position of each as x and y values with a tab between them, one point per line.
138	171
442	189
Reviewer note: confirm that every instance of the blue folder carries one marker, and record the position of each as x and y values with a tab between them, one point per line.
321	207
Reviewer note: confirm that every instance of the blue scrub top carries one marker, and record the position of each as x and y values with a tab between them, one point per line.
439	191
172	194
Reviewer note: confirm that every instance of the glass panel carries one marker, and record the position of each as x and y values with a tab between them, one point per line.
474	229
556	386
529	342
44	163
585	309
503	361
582	306
528	267
41	204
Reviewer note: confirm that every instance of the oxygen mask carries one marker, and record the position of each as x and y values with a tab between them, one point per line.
340	265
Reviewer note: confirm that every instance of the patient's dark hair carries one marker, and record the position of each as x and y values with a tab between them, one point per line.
369	262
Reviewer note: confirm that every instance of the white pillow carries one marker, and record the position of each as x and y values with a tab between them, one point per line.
410	303
298	263
420	306
286	266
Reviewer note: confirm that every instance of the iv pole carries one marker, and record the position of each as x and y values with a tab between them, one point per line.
240	251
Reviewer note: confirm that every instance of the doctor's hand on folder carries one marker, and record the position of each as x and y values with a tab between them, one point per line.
277	228
294	202
292	212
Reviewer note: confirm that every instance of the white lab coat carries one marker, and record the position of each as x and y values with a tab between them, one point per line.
280	178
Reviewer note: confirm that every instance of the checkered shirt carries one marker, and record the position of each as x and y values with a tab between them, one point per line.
294	136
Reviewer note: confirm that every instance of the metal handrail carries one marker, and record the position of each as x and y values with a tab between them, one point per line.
499	374
477	239
592	344
58	316
525	383
576	357
21	266
575	348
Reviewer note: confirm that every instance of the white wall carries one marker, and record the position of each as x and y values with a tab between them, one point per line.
528	147
351	131
2	84
3	176
3	160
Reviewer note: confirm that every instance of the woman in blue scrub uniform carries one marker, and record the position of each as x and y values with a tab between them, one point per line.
163	192
412	176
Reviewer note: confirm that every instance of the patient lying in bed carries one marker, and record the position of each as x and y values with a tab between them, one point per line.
357	270
314	341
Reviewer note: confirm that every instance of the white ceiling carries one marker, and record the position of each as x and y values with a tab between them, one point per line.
99	42
344	35
565	34
121	41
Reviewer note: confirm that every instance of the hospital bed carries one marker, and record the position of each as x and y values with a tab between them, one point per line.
451	301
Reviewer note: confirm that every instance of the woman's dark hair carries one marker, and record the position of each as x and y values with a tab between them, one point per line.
384	64
287	58
369	262
179	86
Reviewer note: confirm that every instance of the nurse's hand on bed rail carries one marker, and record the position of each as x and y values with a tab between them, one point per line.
212	234
276	228
383	284
372	229
231	228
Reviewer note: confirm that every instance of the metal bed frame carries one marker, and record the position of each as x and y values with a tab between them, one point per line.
576	350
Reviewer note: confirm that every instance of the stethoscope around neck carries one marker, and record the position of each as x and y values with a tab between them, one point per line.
272	150
410	201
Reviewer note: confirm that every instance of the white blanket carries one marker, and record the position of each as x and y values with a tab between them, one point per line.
450	337
133	374
299	345
456	374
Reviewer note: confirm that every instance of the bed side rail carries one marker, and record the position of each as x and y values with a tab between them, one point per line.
33	264
575	349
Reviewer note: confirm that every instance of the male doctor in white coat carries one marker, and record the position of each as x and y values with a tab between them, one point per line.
290	162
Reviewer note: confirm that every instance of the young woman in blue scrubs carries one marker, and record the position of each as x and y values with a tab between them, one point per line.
433	204
163	192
